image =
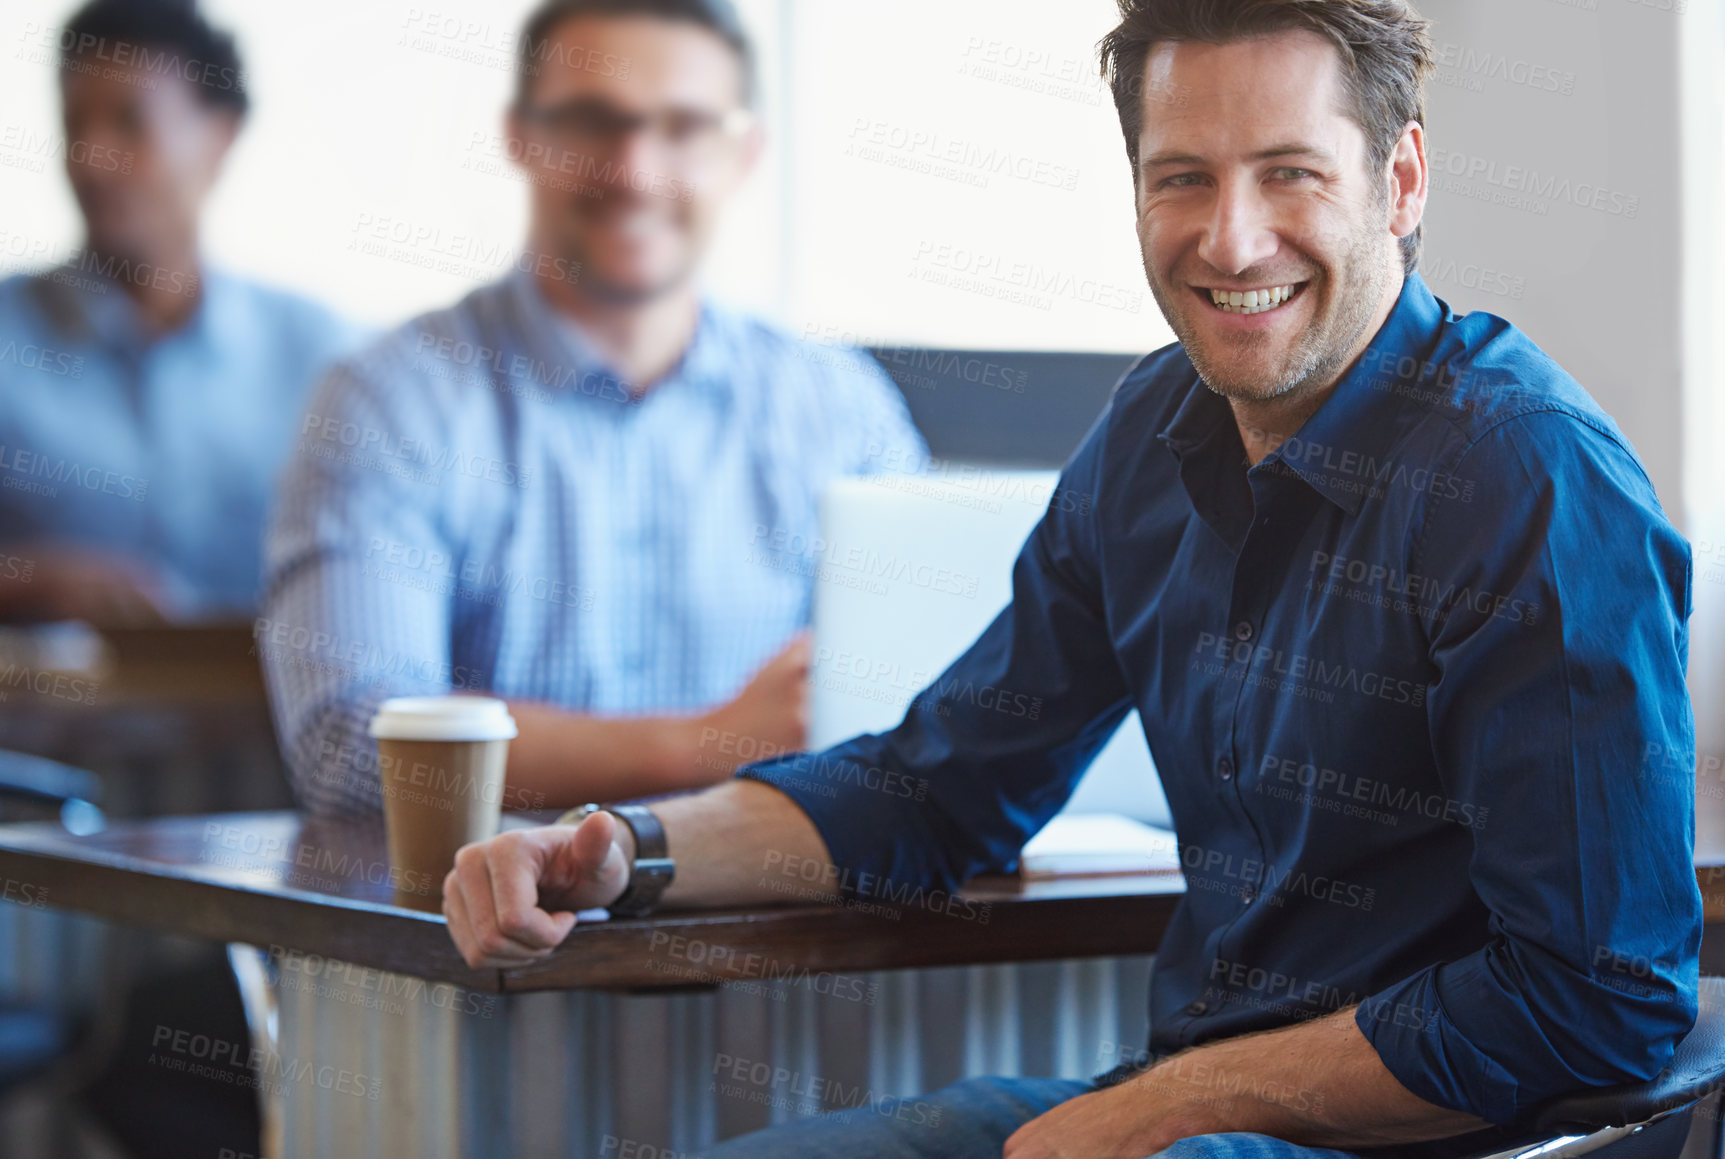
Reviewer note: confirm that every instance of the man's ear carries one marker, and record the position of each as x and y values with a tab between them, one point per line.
735	169
221	128
1409	180
754	143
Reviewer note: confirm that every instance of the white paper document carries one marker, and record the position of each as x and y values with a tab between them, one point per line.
1083	844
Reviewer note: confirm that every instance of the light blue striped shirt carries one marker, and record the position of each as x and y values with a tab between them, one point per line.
164	449
477	502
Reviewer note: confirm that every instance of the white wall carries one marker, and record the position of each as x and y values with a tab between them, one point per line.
960	177
1597	288
1703	256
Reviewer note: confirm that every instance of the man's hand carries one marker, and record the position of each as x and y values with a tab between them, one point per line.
98	587
1317	1083
512	900
1128	1121
769	717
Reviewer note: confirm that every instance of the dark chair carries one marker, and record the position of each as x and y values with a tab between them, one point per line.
34	1036
1005	408
72	792
1650	1120
88	1053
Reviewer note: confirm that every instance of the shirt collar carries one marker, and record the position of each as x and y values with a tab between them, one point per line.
1341	449
1206	442
90	306
558	343
1341	446
1197	420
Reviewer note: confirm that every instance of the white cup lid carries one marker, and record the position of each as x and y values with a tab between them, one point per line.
442	718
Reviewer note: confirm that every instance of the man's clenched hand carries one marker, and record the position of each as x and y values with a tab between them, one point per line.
512	900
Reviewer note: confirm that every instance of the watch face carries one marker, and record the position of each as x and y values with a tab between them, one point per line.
646	884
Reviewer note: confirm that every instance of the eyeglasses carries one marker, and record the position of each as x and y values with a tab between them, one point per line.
687	134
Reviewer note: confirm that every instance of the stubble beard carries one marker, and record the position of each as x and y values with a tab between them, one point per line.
570	244
1318	353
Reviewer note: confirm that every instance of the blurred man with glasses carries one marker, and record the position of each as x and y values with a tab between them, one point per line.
561	490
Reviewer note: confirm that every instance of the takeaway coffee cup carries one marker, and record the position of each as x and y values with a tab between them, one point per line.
441	761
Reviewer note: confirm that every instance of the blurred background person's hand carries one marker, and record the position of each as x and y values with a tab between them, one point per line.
769	717
100	588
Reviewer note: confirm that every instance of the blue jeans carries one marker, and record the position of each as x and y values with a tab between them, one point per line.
968	1120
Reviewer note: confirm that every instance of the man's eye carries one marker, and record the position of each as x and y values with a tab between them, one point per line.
592	122
1288	173
686	126
1179	181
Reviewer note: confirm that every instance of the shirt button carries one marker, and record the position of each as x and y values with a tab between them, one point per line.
1224	768
1243	630
1197	1008
1248	893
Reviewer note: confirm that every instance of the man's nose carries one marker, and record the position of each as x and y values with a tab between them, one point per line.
636	154
1239	233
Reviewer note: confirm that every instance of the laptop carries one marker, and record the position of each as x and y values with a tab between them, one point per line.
913	568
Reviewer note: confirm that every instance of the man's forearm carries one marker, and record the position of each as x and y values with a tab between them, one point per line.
562	758
1318	1083
737	844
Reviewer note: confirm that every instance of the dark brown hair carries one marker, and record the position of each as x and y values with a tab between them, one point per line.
716	16
1385	50
176	29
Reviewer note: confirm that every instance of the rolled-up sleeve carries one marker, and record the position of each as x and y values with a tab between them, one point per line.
1560	711
994	746
335	636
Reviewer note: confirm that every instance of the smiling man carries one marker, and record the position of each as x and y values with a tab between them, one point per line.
1400	613
556	490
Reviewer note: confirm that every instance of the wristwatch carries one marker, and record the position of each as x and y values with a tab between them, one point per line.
653	869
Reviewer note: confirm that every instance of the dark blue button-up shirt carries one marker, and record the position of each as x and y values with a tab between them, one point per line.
1415	687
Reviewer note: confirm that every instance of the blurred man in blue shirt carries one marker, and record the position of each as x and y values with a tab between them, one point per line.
147	401
565	489
1406	628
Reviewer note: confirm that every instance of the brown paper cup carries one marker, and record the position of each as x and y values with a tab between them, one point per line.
441	762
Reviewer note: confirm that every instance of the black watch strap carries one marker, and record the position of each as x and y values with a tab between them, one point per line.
653	869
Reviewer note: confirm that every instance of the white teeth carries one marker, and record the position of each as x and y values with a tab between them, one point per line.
635	224
1251	301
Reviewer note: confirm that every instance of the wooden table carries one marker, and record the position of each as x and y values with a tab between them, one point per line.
273	879
320	893
350	976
